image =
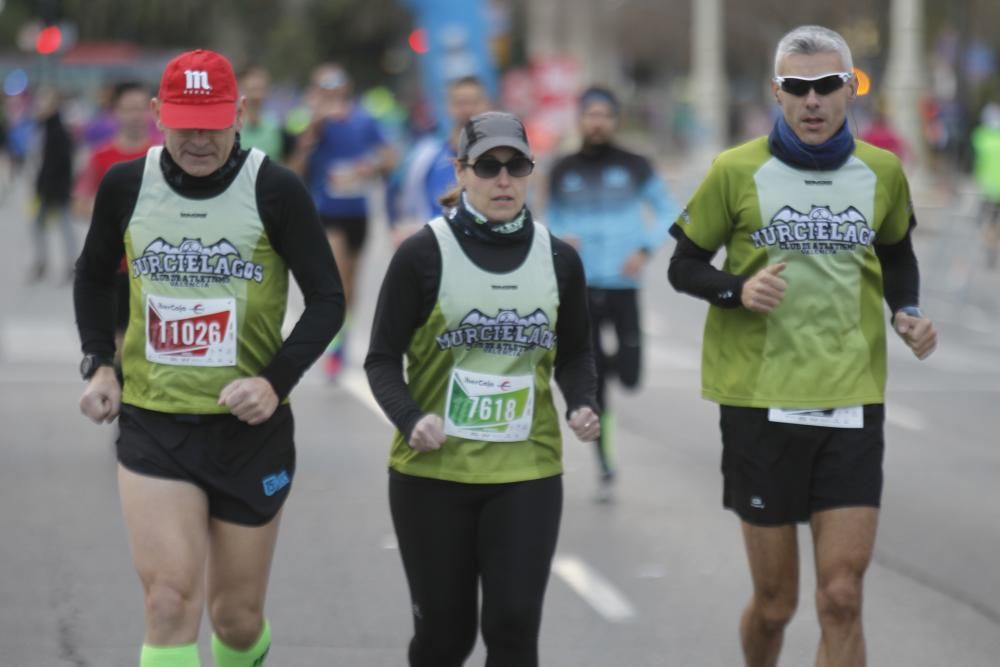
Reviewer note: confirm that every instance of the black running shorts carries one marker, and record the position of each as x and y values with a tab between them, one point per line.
355	229
246	471
776	473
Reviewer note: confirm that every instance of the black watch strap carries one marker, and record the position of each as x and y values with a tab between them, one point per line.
91	362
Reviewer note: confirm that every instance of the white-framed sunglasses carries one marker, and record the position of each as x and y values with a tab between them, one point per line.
824	84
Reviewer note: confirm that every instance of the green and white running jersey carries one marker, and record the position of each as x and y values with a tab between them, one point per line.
824	346
483	360
207	293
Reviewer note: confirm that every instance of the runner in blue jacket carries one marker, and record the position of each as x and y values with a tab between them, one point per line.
612	206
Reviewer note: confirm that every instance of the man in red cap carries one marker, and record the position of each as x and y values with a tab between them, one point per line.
206	454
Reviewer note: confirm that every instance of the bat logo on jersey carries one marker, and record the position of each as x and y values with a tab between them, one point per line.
818	232
508	333
222	247
194	264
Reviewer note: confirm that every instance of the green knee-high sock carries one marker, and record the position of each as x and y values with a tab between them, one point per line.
605	448
169	656
252	657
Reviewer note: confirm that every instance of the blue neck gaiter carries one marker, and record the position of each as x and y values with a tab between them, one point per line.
827	156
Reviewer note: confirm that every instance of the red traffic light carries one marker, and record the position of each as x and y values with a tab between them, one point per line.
418	41
49	40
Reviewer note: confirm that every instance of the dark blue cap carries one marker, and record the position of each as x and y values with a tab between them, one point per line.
599	94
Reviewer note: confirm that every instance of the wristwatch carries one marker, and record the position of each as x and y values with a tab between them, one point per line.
912	311
91	362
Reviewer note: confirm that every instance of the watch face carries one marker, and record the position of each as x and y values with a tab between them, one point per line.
89	365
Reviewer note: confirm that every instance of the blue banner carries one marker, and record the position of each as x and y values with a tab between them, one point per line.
458	38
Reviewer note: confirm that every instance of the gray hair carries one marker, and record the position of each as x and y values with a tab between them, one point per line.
810	39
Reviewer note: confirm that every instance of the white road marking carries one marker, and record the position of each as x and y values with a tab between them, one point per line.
355	382
584	580
904	417
597	591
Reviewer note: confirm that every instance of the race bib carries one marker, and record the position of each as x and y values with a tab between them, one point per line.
191	332
852	417
496	408
343	180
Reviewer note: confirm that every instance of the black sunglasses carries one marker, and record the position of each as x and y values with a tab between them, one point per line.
823	85
488	167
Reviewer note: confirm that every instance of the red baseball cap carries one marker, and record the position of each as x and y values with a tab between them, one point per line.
198	91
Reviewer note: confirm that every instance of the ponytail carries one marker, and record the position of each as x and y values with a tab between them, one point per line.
452	197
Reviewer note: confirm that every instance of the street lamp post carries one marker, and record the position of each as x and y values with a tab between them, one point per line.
708	77
905	75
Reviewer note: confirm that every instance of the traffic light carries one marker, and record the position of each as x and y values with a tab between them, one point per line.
418	41
49	40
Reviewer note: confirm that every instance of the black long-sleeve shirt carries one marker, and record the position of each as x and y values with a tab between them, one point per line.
410	290
292	227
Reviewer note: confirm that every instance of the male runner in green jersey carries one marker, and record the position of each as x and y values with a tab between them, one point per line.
206	455
816	227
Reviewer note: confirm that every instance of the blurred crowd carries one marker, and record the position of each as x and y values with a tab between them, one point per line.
348	145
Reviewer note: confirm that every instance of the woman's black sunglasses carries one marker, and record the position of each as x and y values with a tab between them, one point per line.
823	85
488	167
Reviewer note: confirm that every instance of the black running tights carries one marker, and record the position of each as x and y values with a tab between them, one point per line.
454	537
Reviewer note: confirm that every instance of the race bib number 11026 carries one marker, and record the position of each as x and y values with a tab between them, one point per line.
191	332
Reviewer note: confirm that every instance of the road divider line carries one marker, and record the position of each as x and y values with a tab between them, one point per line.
596	591
355	382
904	417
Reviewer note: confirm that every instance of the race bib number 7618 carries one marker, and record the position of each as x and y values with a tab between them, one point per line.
495	408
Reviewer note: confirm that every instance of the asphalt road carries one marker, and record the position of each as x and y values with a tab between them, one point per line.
656	578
